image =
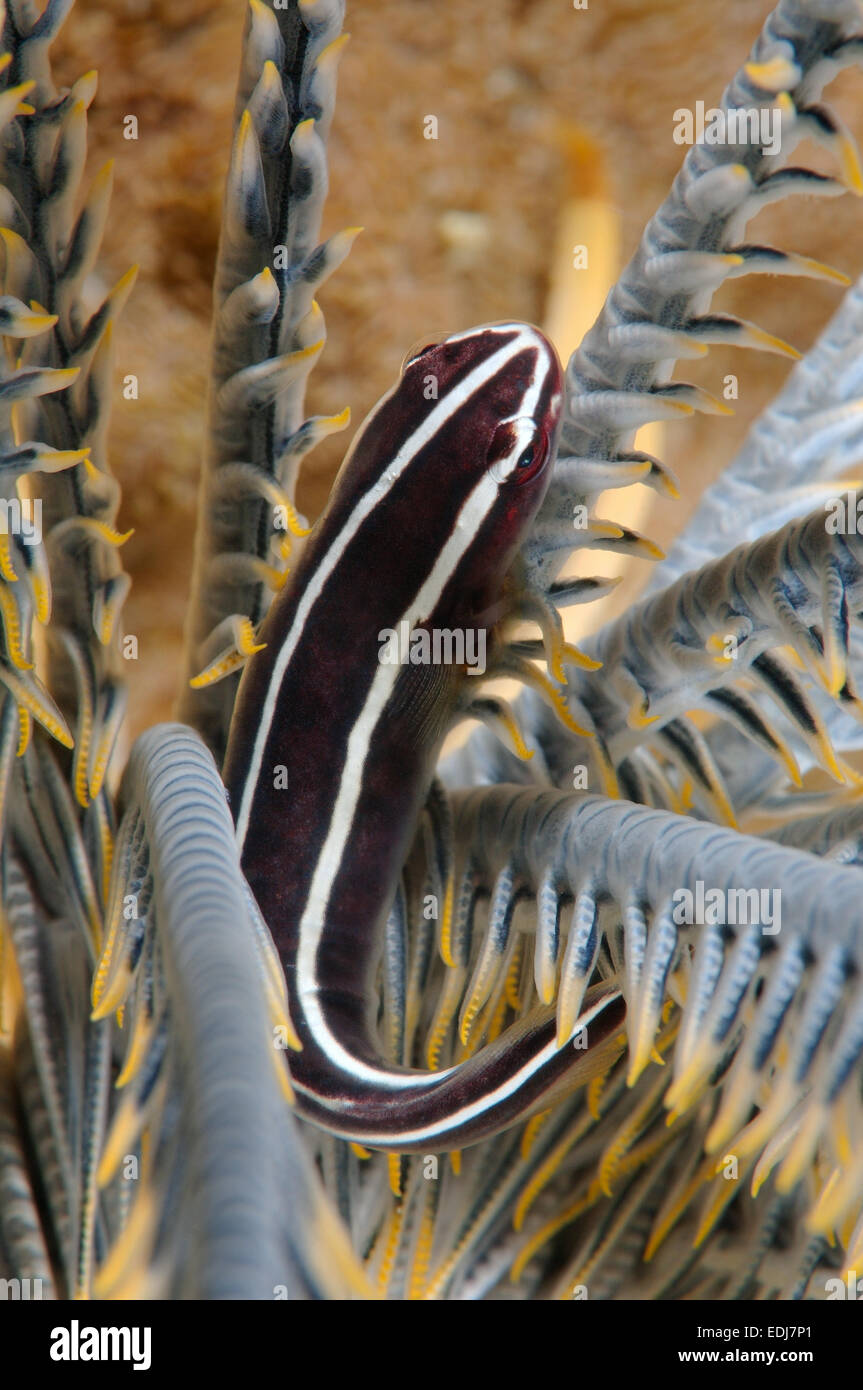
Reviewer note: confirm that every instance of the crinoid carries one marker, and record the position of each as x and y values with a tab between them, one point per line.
147	1142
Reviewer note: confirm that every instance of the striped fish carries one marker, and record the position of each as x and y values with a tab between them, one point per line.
425	519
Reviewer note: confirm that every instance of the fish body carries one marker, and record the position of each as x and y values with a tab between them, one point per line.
332	748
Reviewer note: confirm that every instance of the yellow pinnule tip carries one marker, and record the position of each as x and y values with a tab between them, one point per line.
119	1140
670	488
292	1037
106	1004
822	271
640	1060
302	354
581	659
852	777
522	751
772	75
116	538
303	130
333	50
128	278
41	322
514	732
835	678
759	337
131	1064
245	128
759	1178
715	647
712	405
849	158
790	764
650	548
638	718
566	1023
830	761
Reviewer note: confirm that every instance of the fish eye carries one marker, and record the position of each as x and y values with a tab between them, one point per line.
527	459
418	350
518	451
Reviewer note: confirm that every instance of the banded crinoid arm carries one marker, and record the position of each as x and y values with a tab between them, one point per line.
833	832
714	642
228	1204
793	455
58	817
60	1078
758	1014
744	1038
659	309
61	390
706	638
268	331
807	438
